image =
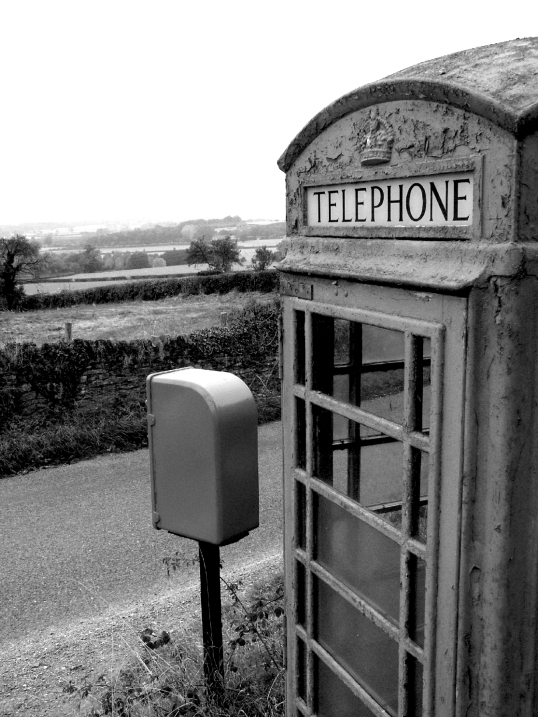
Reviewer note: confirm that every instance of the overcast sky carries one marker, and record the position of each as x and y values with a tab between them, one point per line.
170	110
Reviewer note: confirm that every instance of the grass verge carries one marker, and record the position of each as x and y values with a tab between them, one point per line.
165	675
83	434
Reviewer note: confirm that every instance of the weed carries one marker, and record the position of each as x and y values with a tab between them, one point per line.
165	676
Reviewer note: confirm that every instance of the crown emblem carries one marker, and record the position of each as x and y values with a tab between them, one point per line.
376	146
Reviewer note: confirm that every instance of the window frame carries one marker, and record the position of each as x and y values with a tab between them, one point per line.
412	327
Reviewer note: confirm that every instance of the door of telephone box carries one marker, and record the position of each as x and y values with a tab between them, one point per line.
373	392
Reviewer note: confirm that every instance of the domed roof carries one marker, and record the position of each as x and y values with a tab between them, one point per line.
498	82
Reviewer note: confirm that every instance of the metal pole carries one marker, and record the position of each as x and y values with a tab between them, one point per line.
211	618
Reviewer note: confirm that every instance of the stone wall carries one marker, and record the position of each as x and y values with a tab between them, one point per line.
51	379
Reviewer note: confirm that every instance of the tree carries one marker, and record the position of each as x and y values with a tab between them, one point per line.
19	260
138	260
263	257
219	254
175	257
199	252
225	253
91	261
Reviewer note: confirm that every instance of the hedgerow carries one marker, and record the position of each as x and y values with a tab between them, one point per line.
154	289
51	412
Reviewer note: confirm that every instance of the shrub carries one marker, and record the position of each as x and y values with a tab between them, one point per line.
165	676
154	289
102	428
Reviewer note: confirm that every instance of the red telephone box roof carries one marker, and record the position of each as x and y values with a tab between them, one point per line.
498	82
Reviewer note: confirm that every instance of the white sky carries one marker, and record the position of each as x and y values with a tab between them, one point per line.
171	110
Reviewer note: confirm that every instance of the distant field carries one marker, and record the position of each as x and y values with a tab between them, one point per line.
128	320
53	287
119	276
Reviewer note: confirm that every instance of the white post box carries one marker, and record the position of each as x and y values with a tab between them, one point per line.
203	441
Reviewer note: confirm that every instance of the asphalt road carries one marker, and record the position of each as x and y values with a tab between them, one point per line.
77	541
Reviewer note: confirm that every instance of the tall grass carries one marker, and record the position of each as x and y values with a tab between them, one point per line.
165	678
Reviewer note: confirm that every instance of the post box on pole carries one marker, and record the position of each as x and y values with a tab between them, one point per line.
203	442
410	396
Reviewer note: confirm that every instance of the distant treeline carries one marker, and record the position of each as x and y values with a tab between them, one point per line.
159	234
186	232
244	232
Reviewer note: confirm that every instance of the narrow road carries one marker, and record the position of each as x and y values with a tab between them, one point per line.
77	541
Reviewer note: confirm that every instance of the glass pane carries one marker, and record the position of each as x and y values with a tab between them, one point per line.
381	344
341	387
426	397
356	643
322	353
300	595
358	555
417	599
382	393
322	442
300	507
421	384
419	504
336	356
342	341
381	472
334	697
341	471
300	434
369	471
301	669
426	348
393	515
424	473
299	348
415	681
340	427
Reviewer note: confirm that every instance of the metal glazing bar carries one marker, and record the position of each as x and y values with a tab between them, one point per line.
393	505
434	480
418	549
358	603
354	397
375	318
300	475
309	607
419	440
356	509
413	649
411	475
357	414
346	678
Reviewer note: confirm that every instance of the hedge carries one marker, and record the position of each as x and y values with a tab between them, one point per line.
55	407
154	289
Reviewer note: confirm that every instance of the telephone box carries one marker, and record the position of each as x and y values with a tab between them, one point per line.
410	404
